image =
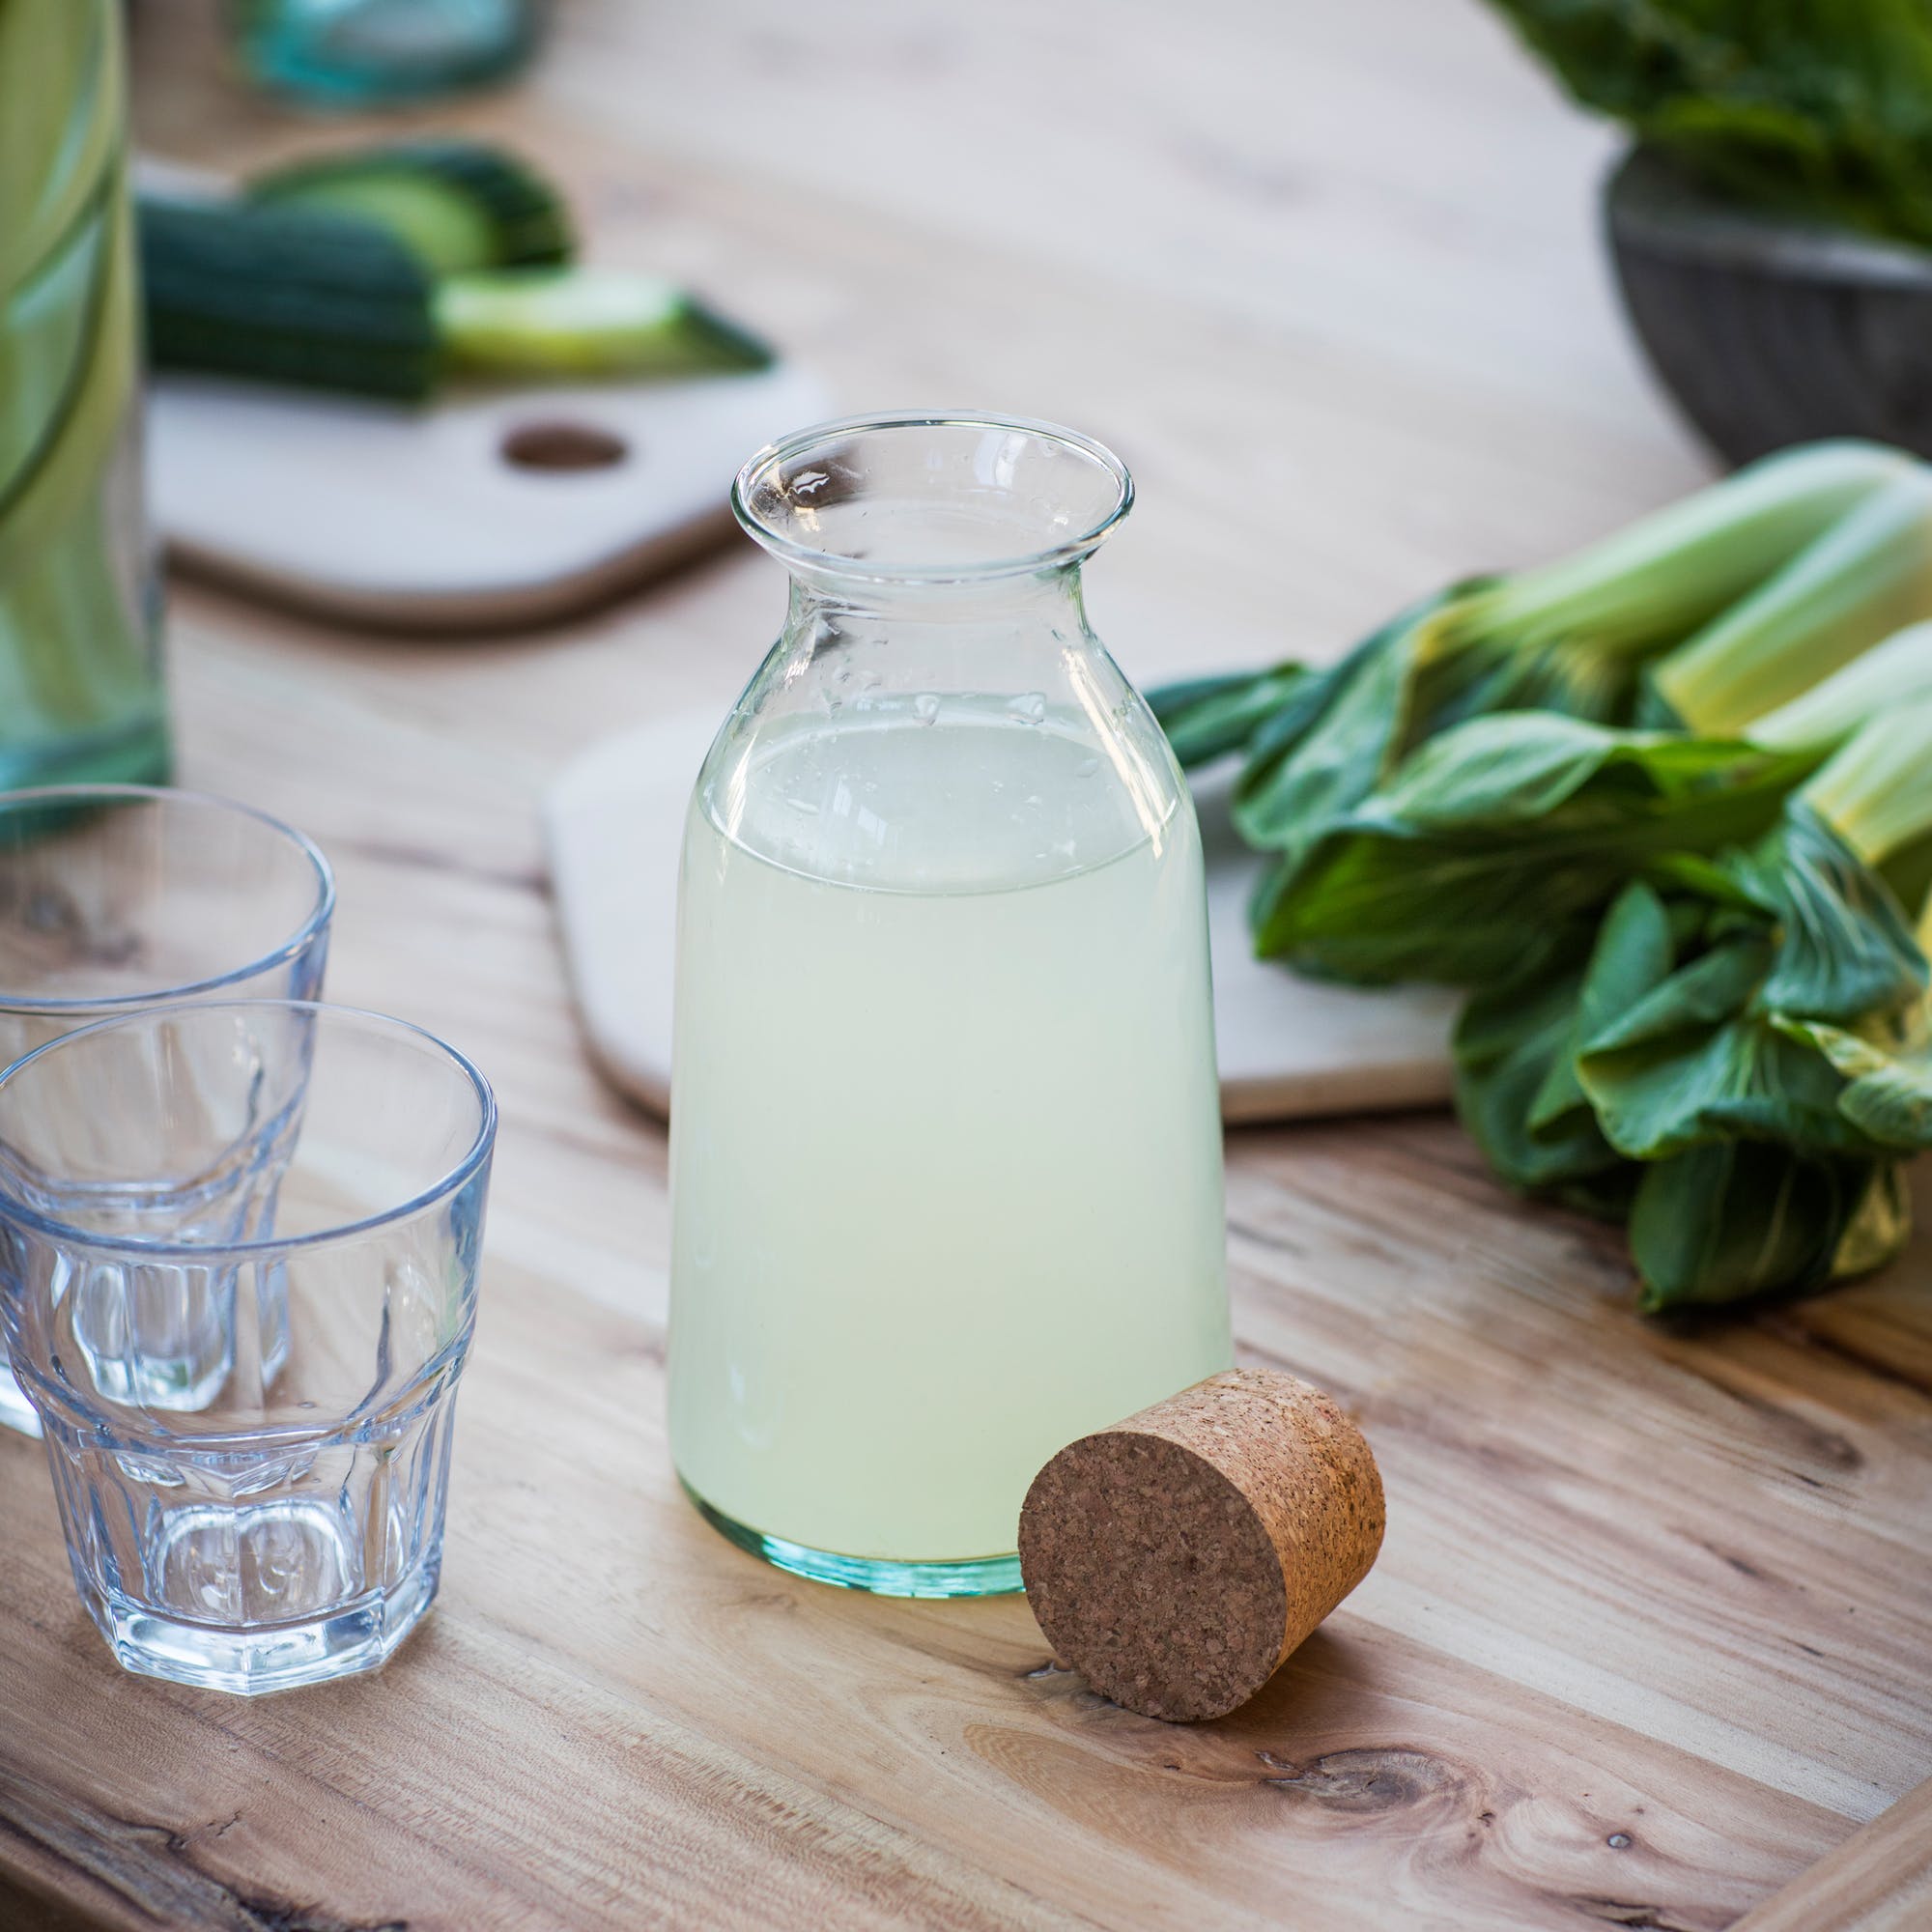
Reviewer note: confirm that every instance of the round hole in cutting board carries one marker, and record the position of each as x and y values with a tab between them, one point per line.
557	446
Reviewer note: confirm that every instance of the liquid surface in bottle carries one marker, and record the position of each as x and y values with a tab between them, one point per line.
945	1134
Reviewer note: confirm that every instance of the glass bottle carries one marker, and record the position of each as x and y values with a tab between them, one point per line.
82	696
373	52
945	1153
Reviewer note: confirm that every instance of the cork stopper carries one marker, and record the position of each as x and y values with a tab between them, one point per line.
1177	1558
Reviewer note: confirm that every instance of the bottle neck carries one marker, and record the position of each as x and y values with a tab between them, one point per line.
1047	605
863	663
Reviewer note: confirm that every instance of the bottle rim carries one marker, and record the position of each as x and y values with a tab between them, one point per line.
811	560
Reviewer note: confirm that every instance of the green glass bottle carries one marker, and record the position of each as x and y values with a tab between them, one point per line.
81	694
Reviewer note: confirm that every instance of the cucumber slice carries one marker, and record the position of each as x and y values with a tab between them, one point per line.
460	204
585	322
286	294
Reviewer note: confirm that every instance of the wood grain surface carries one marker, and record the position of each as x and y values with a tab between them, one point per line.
1649	1635
1879	1880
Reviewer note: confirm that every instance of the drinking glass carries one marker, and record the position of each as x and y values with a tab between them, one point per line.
288	1527
117	897
946	1148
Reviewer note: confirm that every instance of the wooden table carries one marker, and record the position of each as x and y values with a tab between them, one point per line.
1650	1635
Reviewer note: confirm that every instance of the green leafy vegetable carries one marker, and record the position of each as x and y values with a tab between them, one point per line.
1564	636
1426	879
1575	637
1770	1074
1702	1059
1896	672
1430	878
1516	1045
1206	718
1745	1054
1722	1219
1888	1094
1661	808
1856	582
1737	1219
1817	107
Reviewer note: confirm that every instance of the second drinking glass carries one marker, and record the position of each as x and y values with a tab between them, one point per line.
944	1136
115	899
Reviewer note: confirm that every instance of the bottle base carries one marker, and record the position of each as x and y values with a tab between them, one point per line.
383	53
882	1576
136	753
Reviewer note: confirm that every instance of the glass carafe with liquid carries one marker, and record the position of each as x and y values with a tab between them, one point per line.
946	1155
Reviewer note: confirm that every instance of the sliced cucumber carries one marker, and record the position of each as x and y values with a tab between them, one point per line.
286	294
585	321
332	300
460	204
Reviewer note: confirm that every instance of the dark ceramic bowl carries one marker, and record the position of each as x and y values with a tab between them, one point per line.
1767	331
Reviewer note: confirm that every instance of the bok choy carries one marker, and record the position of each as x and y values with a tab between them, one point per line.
1740	1060
1803	559
1798	929
1663	808
1428	878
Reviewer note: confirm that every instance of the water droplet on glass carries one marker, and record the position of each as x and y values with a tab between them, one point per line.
926	707
842	675
1030	708
1032	798
1086	768
1618	1841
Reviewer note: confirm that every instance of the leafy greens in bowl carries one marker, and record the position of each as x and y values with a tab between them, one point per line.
1771	226
1820	109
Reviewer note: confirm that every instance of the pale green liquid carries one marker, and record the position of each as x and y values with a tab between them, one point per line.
947	1161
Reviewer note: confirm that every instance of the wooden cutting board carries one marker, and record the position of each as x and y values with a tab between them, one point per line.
613	825
488	509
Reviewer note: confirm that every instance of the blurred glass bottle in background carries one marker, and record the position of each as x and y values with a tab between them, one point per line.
82	695
366	52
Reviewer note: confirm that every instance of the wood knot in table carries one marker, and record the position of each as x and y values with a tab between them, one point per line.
1374	1779
1636	1918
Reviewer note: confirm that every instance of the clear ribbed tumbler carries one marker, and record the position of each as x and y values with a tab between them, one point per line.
313	1180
